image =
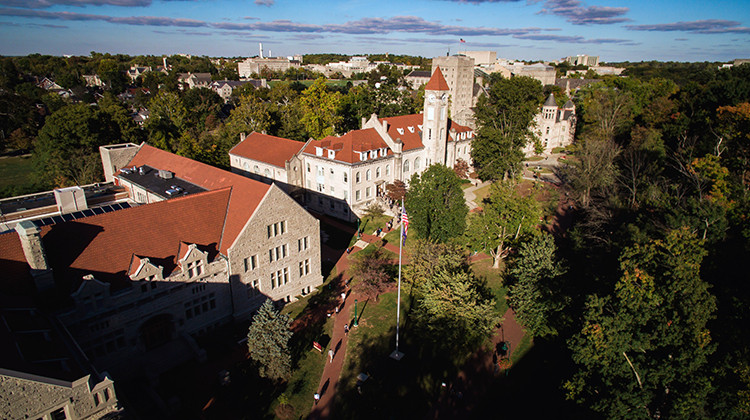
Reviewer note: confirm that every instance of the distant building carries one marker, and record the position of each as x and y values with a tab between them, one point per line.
136	71
545	74
459	74
554	126
418	78
194	80
481	58
224	88
251	66
92	80
582	60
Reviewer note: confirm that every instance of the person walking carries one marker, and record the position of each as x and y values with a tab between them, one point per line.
330	355
346	329
316	396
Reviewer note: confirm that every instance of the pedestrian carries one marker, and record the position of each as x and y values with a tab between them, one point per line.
343	296
330	354
316	396
346	329
337	309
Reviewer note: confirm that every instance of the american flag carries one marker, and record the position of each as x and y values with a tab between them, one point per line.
404	220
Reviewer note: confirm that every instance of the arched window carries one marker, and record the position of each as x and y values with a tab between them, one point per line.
256	169
377	172
357	178
416	163
368	175
387	169
246	166
406	166
267	173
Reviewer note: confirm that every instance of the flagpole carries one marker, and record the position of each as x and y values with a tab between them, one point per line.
396	354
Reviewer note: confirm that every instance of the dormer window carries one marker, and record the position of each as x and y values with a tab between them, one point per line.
362	155
331	154
400	130
419	126
411	129
194	268
318	151
373	154
383	152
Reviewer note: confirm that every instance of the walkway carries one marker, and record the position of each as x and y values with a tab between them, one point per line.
469	195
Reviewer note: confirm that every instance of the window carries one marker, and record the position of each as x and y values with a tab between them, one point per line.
253	289
276	229
277	253
194	269
331	173
387	170
279	277
429	133
251	263
357	195
266	173
107	396
332	190
368	175
302	244
367	192
321	187
58	414
442	113
406	166
416	163
308	168
304	267
357	177
256	169
547	131
377	172
430	113
321	170
345	177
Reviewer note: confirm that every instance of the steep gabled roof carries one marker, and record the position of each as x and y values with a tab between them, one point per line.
550	101
246	193
104	245
269	149
437	81
346	145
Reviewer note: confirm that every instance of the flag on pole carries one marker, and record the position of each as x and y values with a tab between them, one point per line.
404	223
462	41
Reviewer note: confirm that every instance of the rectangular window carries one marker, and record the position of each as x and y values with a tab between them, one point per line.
276	229
357	195
302	244
96	400
286	275
107	396
194	269
273	280
345	178
304	267
253	289
367	192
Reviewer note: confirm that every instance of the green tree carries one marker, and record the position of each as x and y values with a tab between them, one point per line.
166	121
532	293
120	115
436	205
593	173
453	309
268	342
252	114
642	351
504	116
199	104
67	149
505	219
319	109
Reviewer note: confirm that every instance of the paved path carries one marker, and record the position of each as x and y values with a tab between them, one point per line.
469	195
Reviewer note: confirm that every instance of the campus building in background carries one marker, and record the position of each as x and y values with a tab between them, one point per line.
554	127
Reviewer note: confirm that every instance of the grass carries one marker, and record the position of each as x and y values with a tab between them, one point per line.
481	194
558	150
534	158
16	175
493	276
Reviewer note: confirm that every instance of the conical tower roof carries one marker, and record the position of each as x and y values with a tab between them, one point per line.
569	105
550	100
437	81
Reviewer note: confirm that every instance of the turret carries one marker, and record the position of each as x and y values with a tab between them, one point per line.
435	118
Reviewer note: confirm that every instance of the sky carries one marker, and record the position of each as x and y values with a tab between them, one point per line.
619	30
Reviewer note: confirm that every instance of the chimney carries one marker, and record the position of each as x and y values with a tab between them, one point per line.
260	47
31	242
242	136
364	121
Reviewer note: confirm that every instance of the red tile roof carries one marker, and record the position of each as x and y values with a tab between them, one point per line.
347	145
437	81
104	245
270	149
246	193
16	279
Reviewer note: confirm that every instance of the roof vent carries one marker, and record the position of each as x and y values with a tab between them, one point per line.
142	170
166	174
411	129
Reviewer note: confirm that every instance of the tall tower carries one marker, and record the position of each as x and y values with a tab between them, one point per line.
458	71
435	118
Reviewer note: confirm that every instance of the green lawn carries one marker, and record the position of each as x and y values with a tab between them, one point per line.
534	158
481	194
16	175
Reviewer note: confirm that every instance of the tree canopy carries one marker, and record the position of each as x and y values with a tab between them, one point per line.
436	205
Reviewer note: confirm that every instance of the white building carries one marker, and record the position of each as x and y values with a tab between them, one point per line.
343	175
554	126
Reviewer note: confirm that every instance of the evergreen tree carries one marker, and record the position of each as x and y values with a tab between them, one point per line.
268	342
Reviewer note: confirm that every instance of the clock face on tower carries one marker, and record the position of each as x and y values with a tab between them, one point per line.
431	98
444	97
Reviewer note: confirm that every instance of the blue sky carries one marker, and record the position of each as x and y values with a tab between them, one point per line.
619	30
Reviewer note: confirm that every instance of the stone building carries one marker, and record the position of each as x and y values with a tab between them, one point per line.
554	126
200	247
343	175
251	66
458	71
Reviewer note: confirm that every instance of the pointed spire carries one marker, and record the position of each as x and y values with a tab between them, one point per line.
437	81
569	105
550	101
